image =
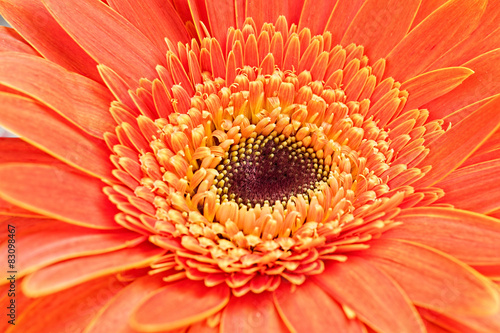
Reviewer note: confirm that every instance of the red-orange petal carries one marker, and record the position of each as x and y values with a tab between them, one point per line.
72	272
49	241
156	19
221	16
314	15
77	98
473	188
32	20
57	193
341	17
373	296
252	313
387	21
422	46
108	38
10	40
55	135
470	237
310	301
452	148
426	87
425	274
121	306
262	11
70	310
179	305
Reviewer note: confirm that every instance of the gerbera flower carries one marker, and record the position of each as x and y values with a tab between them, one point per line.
258	166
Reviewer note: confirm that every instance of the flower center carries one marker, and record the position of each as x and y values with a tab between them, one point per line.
267	169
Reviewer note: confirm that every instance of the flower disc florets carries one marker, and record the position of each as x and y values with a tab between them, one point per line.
286	164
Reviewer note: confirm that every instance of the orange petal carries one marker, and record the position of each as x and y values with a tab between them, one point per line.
17	150
487	156
375	298
178	305
252	313
156	19
72	272
108	38
55	135
311	302
49	241
10	40
121	306
57	193
77	98
6	208
452	148
422	46
387	20
473	188
470	237
484	83
425	87
70	310
265	11
434	279
32	20
313	15
221	16
341	17
425	9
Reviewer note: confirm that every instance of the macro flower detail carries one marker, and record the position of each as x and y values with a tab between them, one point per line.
220	166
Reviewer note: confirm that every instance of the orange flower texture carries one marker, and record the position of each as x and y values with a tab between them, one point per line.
250	166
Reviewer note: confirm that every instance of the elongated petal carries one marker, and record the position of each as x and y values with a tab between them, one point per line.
431	85
54	135
263	11
221	16
252	313
10	40
178	305
470	237
108	38
72	272
371	294
68	310
57	193
482	84
49	241
422	46
434	279
341	17
111	317
32	20
452	148
311	302
77	98
473	188
315	15
17	150
156	19
6	208
376	21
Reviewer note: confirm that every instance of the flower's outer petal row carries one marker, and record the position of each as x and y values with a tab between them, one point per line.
156	19
453	231
428	86
262	11
252	313
22	303
54	135
111	40
484	39
387	20
480	157
425	9
73	272
314	16
10	40
58	193
484	83
69	310
473	188
53	241
422	46
112	316
453	147
8	209
469	292
77	98
311	302
221	16
363	287
179	305
341	17
32	20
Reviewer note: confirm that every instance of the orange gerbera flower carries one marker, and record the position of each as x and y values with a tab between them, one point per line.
251	166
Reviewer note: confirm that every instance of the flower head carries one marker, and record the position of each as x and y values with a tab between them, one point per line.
254	166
